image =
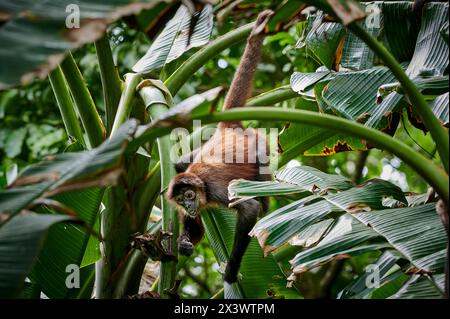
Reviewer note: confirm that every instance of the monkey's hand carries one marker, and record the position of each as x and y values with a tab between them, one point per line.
151	246
185	247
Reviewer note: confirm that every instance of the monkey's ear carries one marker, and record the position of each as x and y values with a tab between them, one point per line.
170	191
261	21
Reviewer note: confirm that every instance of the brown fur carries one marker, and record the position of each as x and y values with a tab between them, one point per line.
241	86
231	153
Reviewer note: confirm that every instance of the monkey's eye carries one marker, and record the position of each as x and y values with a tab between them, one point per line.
179	199
189	194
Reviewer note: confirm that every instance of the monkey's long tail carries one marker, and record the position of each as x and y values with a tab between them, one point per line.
242	82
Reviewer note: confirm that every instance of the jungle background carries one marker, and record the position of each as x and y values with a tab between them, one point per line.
31	129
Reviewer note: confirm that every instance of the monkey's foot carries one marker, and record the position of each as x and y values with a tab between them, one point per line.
185	247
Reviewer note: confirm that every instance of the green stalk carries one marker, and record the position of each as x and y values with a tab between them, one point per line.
147	194
433	174
197	60
83	101
273	97
66	107
143	201
418	102
125	104
169	220
115	230
119	269
157	103
111	83
130	278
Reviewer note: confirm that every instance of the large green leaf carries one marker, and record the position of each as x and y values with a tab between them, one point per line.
194	105
21	238
290	180
261	277
430	58
35	37
289	221
183	32
313	180
335	93
323	40
391	283
431	51
92	251
428	86
416	232
353	95
348	238
419	287
61	174
391	21
356	95
400	29
243	189
366	197
358	288
334	143
302	82
440	107
356	55
65	246
64	172
311	235
297	138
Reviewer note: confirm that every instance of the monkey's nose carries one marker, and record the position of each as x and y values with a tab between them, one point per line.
190	205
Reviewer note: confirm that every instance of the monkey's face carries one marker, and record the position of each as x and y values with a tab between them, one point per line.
189	200
186	190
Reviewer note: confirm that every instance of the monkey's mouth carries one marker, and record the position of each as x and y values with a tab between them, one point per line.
192	212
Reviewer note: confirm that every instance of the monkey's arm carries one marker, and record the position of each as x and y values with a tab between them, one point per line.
247	212
192	234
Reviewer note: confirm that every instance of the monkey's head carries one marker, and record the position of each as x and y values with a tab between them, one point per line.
187	192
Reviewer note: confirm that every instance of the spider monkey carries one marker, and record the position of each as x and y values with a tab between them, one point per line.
204	182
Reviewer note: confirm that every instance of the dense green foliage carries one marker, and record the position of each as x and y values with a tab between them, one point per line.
330	216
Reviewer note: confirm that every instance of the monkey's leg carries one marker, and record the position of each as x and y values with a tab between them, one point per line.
192	234
247	212
183	163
